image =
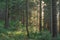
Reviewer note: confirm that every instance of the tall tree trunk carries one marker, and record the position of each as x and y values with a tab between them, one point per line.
42	6
6	15
27	7
54	18
40	25
23	18
59	16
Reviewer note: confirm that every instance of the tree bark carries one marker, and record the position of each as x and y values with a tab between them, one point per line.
27	11
6	15
59	16
54	18
40	25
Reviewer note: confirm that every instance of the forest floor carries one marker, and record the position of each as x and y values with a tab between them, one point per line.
13	34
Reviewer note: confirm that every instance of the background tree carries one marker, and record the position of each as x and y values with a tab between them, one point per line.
47	15
40	17
7	15
27	11
54	18
59	16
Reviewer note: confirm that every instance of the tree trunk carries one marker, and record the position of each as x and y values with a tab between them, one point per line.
54	18
59	16
27	6
6	15
40	25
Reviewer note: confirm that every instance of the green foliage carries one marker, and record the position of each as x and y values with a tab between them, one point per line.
14	34
1	23
44	35
19	32
6	34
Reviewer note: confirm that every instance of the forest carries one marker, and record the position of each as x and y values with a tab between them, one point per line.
29	19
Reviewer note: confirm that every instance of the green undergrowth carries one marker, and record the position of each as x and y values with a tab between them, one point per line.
18	32
7	34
